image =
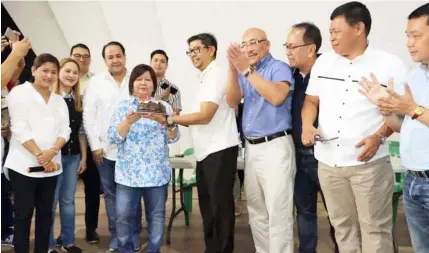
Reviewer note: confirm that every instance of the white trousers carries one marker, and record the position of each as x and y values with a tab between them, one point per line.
269	180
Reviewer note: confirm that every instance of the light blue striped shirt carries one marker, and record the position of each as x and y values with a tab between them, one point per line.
414	138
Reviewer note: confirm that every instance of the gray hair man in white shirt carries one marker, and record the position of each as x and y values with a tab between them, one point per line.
354	167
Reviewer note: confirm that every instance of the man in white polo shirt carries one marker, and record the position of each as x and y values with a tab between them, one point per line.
354	167
215	138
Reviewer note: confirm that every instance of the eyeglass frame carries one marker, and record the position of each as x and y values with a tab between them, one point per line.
256	42
295	47
81	56
195	49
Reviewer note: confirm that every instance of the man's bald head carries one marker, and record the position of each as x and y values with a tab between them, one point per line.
254	33
257	45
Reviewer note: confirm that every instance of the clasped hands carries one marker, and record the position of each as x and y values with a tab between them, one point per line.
237	58
45	160
387	99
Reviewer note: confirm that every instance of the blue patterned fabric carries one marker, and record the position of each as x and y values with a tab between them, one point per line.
143	155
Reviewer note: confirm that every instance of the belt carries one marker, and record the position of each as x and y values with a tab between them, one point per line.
421	174
268	137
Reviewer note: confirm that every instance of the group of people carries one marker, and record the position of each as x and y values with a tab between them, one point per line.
317	125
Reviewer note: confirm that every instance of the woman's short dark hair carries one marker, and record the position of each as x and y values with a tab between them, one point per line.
138	71
44	58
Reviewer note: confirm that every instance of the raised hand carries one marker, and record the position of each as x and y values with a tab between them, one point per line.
372	89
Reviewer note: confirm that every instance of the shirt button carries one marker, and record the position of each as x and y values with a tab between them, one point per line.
338	131
340	117
347	89
71	141
338	145
351	63
344	103
72	120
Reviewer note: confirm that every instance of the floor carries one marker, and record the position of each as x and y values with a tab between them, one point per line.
190	239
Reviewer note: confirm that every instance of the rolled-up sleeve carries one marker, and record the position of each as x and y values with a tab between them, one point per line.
89	115
117	118
18	111
65	122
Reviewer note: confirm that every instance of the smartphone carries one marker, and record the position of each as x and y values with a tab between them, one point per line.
165	86
318	138
11	35
172	89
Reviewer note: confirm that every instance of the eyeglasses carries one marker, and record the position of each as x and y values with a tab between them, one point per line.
81	56
195	50
251	43
291	47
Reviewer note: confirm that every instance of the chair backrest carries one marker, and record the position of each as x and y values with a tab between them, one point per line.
188	152
394	148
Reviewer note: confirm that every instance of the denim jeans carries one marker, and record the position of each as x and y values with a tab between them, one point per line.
107	178
64	194
416	206
305	197
127	204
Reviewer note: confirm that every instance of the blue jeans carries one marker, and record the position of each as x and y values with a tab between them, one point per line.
127	204
64	194
416	206
107	178
305	197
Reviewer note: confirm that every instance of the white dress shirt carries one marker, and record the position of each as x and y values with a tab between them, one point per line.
221	133
100	100
83	82
343	111
34	119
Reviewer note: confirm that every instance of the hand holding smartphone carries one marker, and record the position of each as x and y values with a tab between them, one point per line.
165	86
12	35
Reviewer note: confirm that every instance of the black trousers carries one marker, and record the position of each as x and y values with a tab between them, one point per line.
29	194
215	182
91	181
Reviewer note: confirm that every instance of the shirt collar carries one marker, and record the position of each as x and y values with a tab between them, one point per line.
425	69
367	55
208	68
264	61
67	95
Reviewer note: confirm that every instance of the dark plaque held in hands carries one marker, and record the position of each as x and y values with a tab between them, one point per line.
151	107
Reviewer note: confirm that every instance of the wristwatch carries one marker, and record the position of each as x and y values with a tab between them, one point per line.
170	120
418	111
249	71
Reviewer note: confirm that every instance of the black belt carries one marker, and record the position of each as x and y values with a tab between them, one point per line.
268	137
421	174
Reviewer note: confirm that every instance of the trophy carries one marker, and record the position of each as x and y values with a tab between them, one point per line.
152	108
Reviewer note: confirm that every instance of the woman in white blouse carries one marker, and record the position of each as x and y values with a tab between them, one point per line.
40	128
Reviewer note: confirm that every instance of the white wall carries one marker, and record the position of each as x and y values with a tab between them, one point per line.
144	26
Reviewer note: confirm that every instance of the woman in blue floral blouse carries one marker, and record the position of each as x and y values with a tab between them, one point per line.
143	166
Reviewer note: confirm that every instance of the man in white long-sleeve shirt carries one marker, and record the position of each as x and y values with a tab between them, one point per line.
103	93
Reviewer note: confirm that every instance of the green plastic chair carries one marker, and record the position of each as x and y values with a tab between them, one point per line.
394	148
188	185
